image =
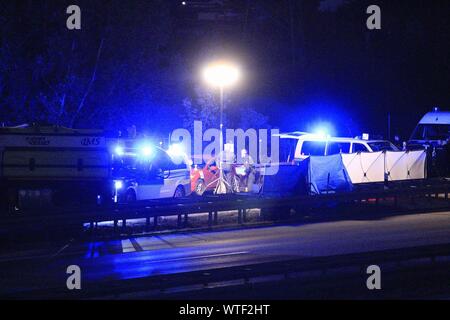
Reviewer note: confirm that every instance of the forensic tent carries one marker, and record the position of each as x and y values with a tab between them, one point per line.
313	175
369	167
328	175
289	180
338	173
365	167
405	165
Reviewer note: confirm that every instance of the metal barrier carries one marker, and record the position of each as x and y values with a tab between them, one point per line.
212	205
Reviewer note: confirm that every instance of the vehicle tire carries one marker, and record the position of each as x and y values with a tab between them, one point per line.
130	196
179	192
200	187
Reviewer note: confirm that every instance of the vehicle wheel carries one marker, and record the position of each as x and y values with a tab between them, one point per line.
130	196
179	192
200	187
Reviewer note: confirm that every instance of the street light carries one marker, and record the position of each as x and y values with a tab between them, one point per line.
222	75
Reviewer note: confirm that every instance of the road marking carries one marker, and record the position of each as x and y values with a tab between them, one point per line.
196	237
62	249
203	257
136	245
165	241
132	245
127	246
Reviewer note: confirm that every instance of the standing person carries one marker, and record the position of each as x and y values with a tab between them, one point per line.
249	165
226	159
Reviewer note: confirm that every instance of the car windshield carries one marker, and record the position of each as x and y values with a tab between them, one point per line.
431	132
382	146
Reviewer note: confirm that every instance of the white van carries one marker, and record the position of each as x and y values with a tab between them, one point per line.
433	128
433	133
299	145
147	172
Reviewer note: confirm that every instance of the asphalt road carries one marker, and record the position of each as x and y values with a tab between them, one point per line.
174	253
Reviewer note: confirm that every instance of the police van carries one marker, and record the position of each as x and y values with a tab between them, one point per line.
143	171
433	129
433	133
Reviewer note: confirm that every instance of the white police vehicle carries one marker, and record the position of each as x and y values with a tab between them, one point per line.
142	171
433	133
433	129
300	145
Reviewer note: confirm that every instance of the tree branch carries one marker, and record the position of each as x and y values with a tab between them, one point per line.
88	89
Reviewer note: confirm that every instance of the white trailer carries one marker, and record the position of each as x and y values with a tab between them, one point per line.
50	165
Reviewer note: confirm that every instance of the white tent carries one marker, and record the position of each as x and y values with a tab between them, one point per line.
405	165
367	167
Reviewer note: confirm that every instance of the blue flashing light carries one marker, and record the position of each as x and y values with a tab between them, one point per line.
119	150
321	133
323	130
146	151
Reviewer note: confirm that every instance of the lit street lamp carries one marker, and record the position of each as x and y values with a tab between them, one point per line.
222	75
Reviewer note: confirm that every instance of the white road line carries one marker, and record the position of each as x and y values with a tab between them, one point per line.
203	257
62	249
127	246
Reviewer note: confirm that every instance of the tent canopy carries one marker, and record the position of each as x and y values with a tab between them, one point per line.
328	175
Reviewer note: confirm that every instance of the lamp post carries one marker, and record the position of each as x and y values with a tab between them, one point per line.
221	74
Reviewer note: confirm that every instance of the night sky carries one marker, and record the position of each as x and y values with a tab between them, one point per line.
304	62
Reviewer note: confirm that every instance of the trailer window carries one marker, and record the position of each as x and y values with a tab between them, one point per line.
313	148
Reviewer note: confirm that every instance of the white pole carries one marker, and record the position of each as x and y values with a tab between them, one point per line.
222	153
